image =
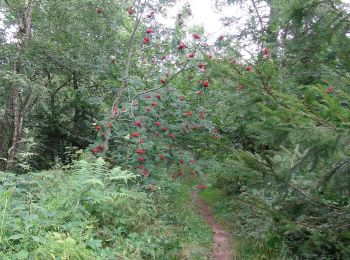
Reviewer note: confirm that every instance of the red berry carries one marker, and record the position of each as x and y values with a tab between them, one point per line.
206	84
163	81
201	65
136	134
172	136
161	157
149	30
188	113
145	173
141	159
201	114
199	92
158	95
182	98
140	141
154	104
109	125
99	10
330	89
131	11
164	129
98	128
266	52
190	55
249	68
196	36
157	123
201	187
145	40
140	151
115	110
195	126
95	150
137	123
182	46
148	109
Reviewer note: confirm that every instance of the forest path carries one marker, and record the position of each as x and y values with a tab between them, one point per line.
222	249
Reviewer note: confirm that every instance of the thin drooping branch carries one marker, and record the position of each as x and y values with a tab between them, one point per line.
8	4
61	86
332	172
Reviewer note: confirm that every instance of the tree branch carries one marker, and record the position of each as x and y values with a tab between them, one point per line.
128	61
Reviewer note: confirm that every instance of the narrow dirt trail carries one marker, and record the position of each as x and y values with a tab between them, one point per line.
222	249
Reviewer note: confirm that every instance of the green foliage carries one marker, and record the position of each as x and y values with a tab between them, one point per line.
89	211
194	236
291	153
252	228
270	133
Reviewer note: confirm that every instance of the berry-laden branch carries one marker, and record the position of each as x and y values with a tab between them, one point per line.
154	141
197	45
166	83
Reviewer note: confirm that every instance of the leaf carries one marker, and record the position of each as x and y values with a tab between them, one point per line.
22	255
16	237
94	182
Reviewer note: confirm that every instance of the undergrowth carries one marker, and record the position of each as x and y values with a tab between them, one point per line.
89	211
251	231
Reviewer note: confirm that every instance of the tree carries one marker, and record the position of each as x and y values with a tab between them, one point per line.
19	103
71	50
284	123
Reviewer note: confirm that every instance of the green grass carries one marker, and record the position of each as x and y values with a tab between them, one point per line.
212	195
196	236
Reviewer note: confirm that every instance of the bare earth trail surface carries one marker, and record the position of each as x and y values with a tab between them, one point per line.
222	240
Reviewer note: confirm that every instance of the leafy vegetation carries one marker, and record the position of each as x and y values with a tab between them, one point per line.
88	211
109	119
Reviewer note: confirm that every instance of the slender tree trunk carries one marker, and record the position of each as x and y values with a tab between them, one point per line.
5	136
77	109
24	34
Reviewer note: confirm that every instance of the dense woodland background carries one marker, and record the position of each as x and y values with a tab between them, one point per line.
108	120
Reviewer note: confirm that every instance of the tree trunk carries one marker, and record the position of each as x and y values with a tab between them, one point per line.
23	36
